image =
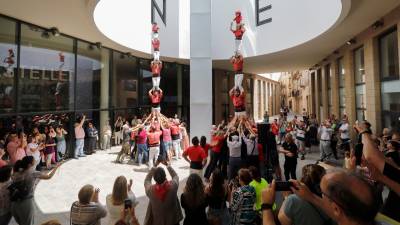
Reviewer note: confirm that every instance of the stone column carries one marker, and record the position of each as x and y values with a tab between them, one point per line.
335	88
255	100
350	97
372	84
104	90
317	95
200	68
325	98
312	92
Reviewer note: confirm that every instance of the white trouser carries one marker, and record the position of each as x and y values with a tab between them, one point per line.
238	45
153	155
156	55
118	137
243	113
238	81
156	82
177	147
154	35
156	109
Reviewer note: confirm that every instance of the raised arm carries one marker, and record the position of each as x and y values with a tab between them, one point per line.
48	176
82	121
173	174
147	181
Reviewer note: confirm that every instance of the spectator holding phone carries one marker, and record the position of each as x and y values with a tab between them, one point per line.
289	148
295	210
120	199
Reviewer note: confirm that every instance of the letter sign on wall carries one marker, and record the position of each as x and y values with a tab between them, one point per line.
156	7
261	10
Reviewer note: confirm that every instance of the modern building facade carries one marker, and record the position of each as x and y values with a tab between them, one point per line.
360	78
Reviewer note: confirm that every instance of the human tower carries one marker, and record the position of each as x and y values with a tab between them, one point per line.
155	93
237	93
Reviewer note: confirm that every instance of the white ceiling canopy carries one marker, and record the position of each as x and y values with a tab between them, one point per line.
128	23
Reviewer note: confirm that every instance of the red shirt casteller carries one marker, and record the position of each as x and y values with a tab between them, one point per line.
237	63
195	153
238	33
155	28
205	148
155	97
156	68
156	44
238	101
217	142
154	137
238	18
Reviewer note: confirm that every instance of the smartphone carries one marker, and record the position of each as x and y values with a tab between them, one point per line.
128	203
283	185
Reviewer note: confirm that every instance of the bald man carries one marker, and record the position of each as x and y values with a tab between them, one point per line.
346	197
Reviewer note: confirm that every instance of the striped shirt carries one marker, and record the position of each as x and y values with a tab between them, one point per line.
243	201
87	214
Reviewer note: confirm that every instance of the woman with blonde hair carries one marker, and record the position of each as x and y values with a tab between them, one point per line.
121	195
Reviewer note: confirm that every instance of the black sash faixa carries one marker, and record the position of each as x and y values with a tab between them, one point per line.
196	165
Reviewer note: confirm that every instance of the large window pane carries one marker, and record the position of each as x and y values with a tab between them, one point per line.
360	101
389	55
125	81
342	97
359	70
146	82
390	103
46	81
341	71
92	83
8	64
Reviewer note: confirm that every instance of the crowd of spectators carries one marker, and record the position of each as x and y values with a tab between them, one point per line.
235	185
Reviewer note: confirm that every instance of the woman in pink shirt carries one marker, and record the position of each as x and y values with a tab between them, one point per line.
167	140
16	148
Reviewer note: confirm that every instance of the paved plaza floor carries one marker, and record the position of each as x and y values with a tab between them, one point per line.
53	198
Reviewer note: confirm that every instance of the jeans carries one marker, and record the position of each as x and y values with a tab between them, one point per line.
325	149
142	153
153	155
177	147
79	143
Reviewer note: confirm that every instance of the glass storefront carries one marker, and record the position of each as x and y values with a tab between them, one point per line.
60	76
390	79
359	77
342	92
46	71
8	65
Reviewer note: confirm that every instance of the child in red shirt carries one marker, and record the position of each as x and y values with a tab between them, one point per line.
196	157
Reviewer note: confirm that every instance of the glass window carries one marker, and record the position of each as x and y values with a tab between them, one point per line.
8	64
341	71
390	102
359	69
389	55
169	85
319	80
360	102
146	82
92	83
47	66
124	81
342	98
